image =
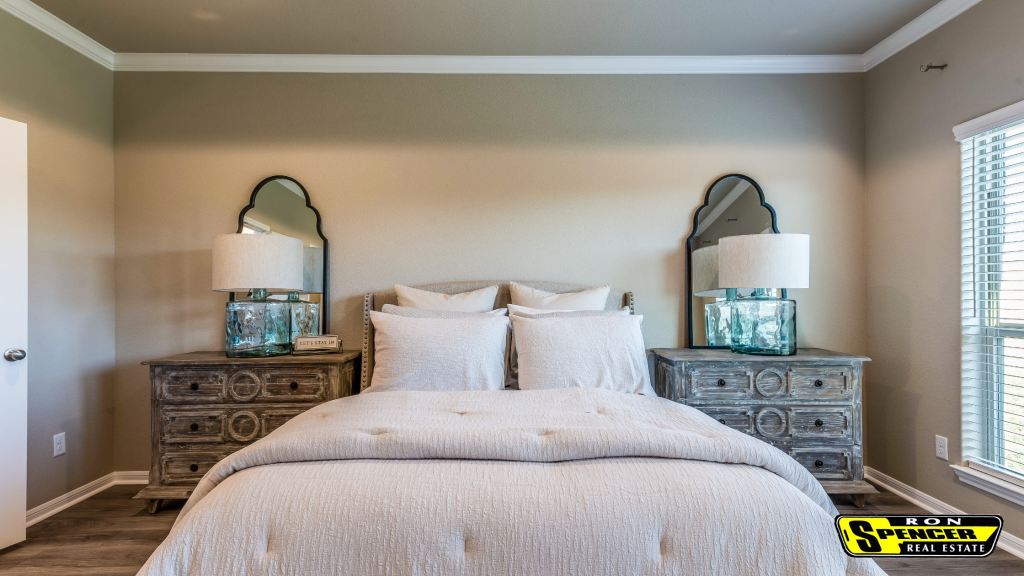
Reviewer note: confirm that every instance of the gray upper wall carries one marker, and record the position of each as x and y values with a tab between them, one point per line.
913	243
435	178
67	102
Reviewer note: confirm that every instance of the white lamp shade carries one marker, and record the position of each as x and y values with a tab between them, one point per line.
704	270
764	261
312	270
242	262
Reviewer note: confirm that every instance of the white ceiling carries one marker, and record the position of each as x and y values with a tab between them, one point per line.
490	27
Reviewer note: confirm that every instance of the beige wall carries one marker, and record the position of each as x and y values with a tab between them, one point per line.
428	178
67	102
913	242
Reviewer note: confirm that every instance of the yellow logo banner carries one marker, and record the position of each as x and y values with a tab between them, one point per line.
948	536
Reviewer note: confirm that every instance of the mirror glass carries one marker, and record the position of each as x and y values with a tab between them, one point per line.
279	205
734	205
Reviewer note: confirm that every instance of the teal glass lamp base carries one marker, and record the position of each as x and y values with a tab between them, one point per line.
764	325
718	319
257	327
305	317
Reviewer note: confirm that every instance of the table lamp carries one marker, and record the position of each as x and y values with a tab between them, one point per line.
764	323
257	327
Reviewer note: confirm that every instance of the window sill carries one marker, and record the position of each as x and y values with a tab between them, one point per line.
990	484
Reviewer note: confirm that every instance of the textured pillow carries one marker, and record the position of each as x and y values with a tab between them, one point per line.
420	313
535	313
417	313
593	299
481	300
589	352
449	354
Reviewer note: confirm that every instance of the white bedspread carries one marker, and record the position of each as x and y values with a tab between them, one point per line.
572	481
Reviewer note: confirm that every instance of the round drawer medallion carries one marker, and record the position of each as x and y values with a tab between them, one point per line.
770	422
770	382
244	386
243	426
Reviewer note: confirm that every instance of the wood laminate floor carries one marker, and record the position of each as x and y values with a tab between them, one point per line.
112	534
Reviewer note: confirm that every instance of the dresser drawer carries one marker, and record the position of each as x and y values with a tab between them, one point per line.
295	385
821	422
194	386
181	425
711	382
827	463
187	468
193	426
738	418
784	424
201	385
821	383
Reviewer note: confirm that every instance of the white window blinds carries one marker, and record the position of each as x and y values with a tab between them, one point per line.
992	272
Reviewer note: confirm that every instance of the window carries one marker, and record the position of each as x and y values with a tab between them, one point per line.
992	242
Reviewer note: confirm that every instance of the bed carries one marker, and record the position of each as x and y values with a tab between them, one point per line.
567	481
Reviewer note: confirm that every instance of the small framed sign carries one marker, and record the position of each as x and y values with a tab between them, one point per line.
323	344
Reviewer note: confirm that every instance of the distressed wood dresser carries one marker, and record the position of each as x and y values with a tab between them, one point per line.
807	405
206	406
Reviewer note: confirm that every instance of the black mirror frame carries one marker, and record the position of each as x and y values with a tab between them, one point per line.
325	298
689	251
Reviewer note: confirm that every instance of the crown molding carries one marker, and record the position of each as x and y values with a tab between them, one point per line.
1011	113
395	64
916	29
60	30
388	64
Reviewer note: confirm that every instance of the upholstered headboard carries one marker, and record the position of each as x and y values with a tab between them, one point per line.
375	301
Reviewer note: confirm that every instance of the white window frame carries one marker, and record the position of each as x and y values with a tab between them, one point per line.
997	481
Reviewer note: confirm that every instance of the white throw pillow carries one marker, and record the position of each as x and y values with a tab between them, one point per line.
593	299
588	352
514	310
444	354
481	300
419	313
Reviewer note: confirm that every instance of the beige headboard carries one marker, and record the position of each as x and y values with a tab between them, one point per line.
375	301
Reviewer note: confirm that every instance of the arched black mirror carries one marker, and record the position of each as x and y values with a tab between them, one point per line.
280	205
734	205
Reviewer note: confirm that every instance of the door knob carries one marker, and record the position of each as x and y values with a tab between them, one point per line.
13	355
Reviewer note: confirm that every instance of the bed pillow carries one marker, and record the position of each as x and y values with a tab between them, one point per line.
585	352
481	300
442	354
593	299
420	313
535	313
513	310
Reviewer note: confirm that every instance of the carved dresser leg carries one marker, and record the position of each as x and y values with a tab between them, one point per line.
153	506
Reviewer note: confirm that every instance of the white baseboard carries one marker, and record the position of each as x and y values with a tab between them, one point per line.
1007	541
44	511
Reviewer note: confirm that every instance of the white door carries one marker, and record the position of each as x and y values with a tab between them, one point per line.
13	328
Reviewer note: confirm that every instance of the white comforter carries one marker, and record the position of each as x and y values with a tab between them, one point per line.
573	481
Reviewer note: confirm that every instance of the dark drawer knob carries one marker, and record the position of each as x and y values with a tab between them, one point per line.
819	423
294	385
722	420
194	467
819	463
194	427
194	386
721	382
818	383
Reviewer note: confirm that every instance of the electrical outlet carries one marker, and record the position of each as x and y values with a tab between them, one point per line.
58	444
941	447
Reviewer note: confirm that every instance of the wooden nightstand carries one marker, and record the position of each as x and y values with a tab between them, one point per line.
807	405
206	406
